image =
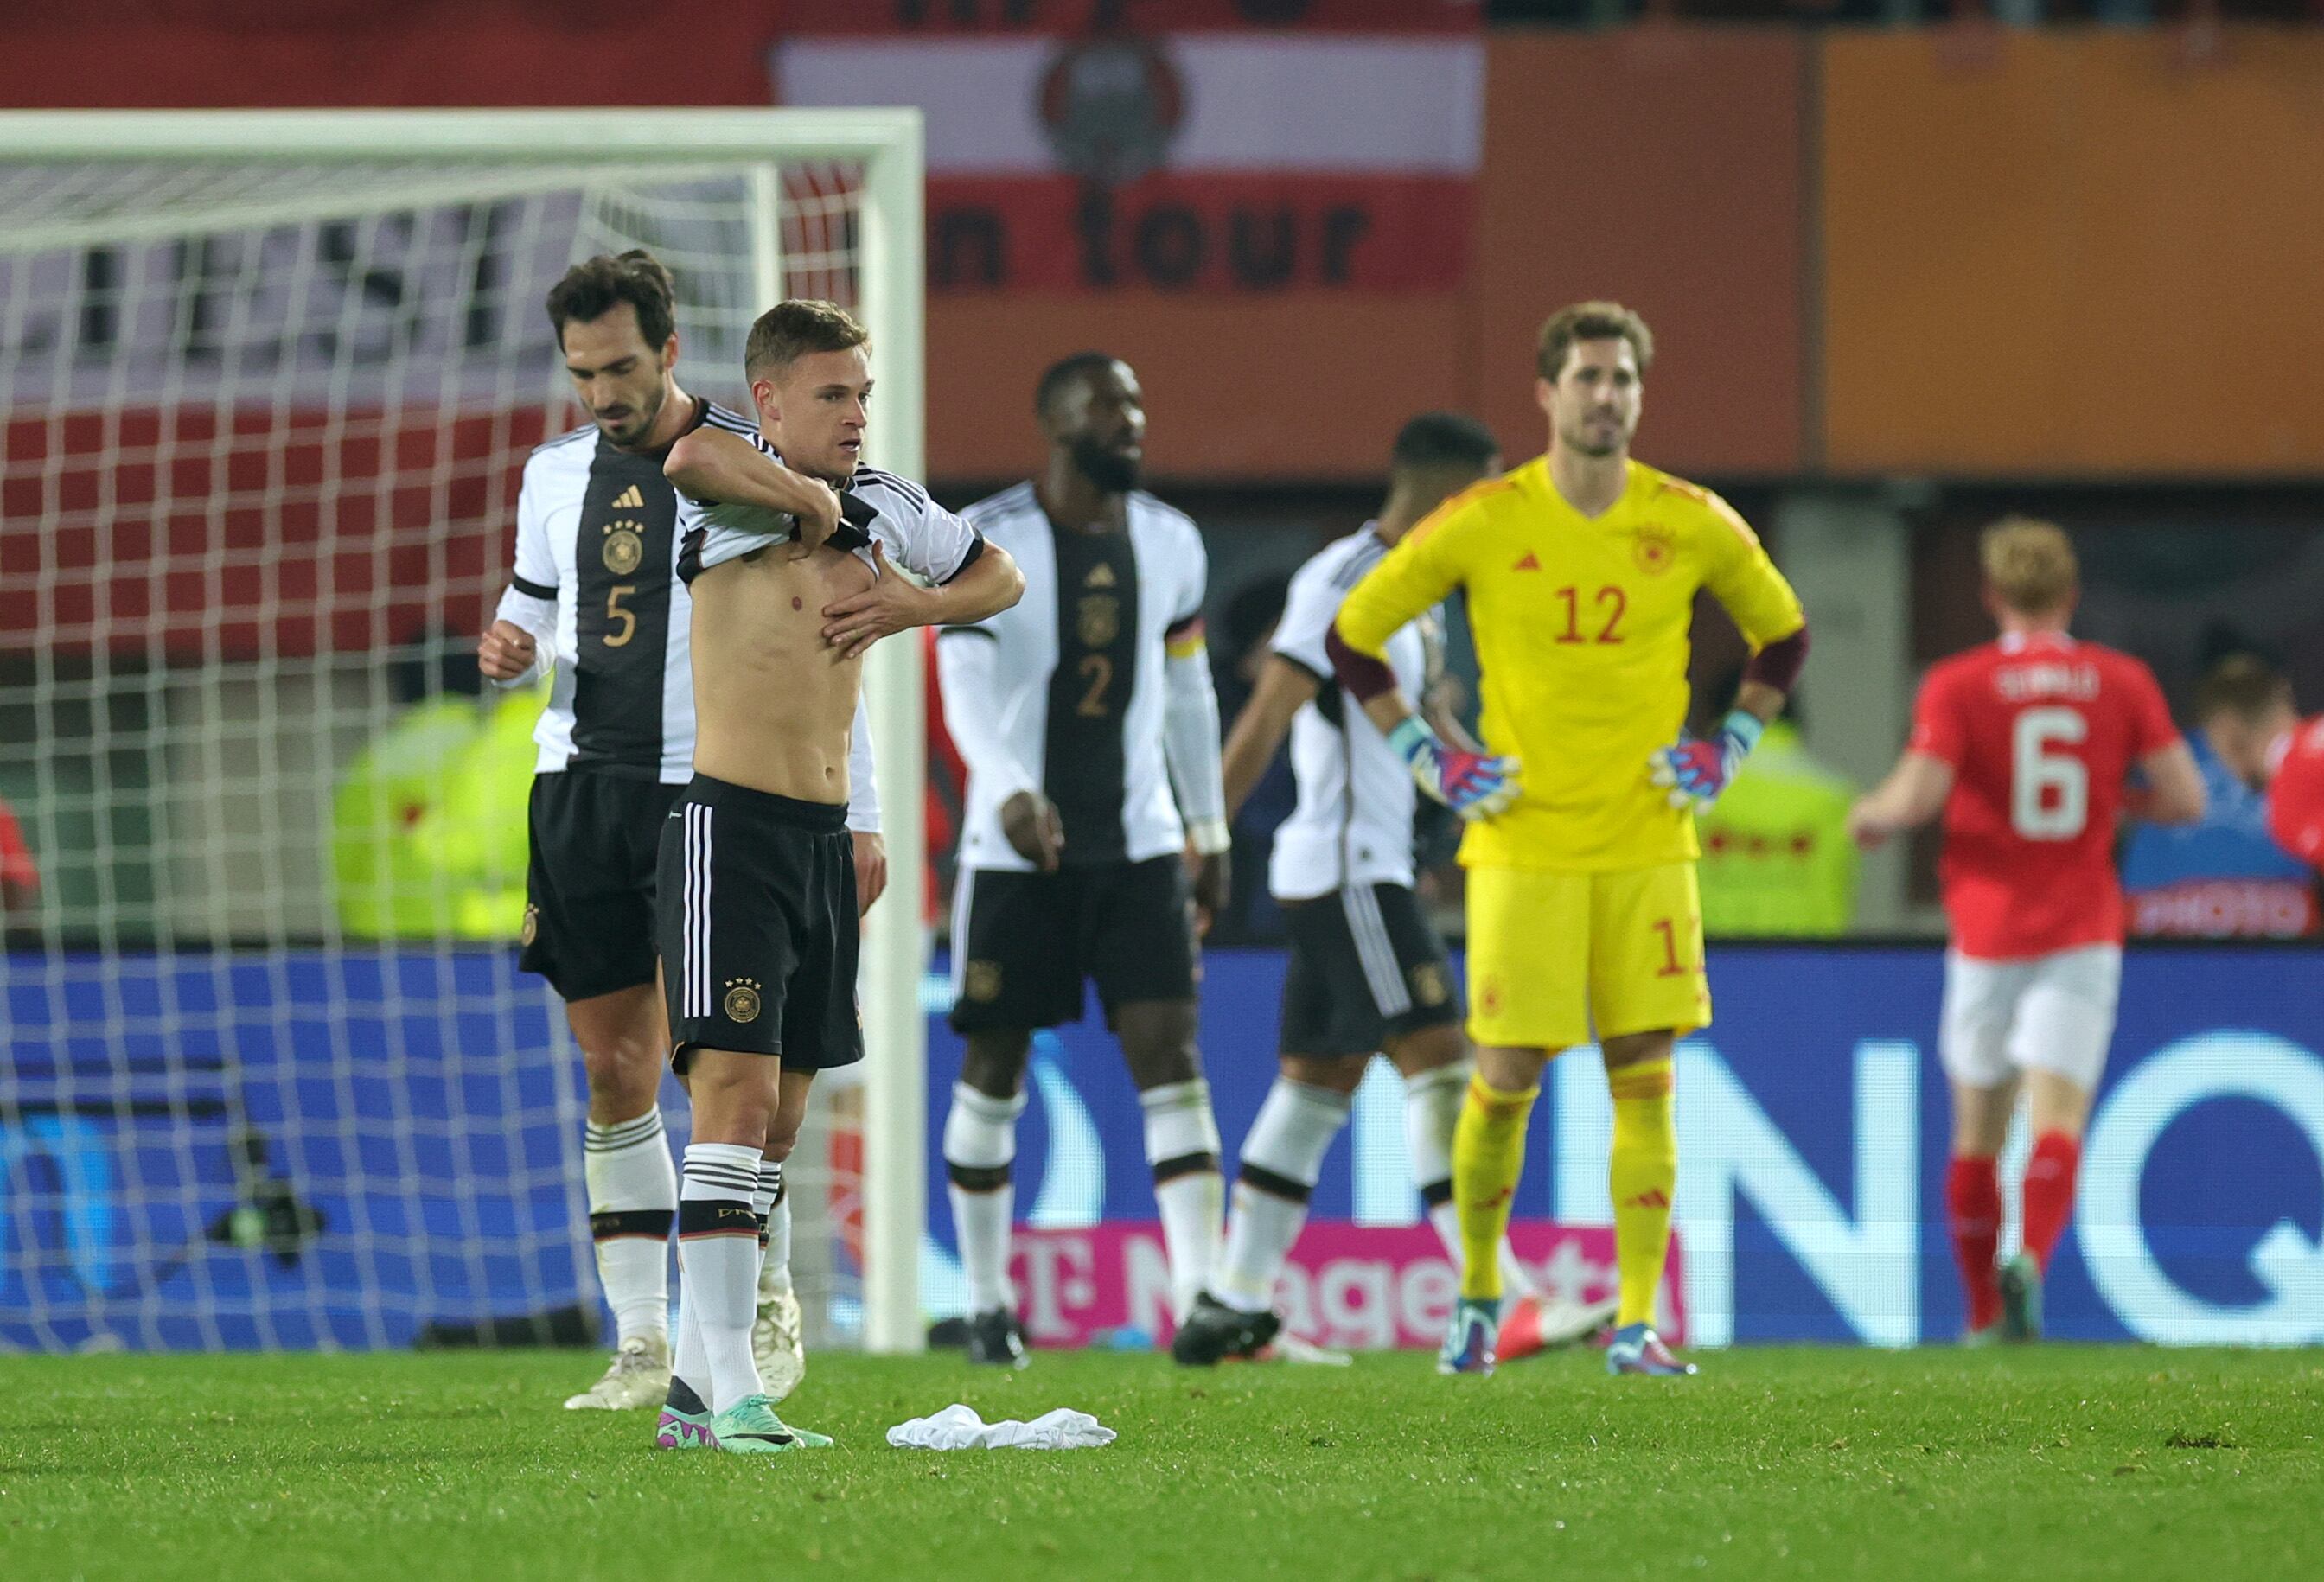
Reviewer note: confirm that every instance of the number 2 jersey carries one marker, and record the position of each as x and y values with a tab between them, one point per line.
1093	689
2041	732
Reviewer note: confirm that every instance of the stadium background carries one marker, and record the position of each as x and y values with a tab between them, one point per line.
1903	279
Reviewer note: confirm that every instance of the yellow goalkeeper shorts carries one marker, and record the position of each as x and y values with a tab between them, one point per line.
1554	956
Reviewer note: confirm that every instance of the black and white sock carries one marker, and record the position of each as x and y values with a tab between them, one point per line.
979	1144
1281	1159
1182	1144
632	1201
718	1266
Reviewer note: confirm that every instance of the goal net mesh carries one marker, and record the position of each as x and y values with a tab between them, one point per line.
270	1077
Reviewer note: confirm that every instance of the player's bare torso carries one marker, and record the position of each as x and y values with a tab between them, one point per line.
774	702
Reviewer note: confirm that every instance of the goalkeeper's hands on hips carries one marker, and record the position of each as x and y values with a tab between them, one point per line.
1474	784
1695	771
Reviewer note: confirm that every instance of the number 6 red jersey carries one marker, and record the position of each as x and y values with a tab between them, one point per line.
2041	732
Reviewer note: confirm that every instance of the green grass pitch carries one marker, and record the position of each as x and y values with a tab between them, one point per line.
2050	1464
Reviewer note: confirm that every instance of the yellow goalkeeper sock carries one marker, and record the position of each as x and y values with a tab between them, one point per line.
1487	1156
1642	1174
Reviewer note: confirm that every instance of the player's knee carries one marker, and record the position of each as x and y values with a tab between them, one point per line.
994	1065
734	1098
2055	1102
625	1075
1428	1049
782	1137
1340	1074
1157	1041
1636	1048
1511	1069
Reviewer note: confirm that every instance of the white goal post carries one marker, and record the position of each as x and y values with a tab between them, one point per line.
225	336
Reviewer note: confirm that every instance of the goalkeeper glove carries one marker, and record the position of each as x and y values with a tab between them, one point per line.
1696	772
1474	784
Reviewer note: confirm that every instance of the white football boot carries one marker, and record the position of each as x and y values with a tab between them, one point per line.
778	1340
638	1375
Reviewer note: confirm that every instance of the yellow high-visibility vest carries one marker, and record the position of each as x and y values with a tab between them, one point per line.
1776	858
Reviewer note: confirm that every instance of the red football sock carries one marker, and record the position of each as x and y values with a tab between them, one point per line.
1973	1196
2050	1192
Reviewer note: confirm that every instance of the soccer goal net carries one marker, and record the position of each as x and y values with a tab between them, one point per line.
270	1077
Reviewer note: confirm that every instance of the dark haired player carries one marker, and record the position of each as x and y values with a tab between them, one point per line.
1580	570
1077	712
1368	973
757	896
595	592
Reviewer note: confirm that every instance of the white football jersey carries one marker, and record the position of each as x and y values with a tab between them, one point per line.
918	534
598	532
1353	822
1071	695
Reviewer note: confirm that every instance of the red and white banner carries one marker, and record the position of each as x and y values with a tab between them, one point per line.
1218	145
1349	1287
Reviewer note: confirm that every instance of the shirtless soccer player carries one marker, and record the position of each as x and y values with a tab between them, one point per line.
1367	973
1581	569
2025	745
595	594
757	894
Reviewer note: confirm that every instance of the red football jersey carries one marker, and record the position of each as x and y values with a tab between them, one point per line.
2041	732
2295	795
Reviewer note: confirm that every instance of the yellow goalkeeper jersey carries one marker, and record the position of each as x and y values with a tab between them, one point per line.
1582	628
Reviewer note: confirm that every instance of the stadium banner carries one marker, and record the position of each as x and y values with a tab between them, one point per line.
1347	1287
1812	1138
333	1150
1256	146
353	1148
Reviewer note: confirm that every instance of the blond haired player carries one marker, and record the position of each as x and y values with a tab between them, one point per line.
1581	569
2026	744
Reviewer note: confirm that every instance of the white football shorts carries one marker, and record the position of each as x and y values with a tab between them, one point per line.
2051	1013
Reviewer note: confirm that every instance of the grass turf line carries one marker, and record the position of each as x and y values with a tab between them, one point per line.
2060	1462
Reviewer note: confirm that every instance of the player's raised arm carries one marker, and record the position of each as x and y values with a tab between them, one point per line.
968	578
987	585
515	648
712	463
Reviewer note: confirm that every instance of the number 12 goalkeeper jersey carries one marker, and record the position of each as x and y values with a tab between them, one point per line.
1581	627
